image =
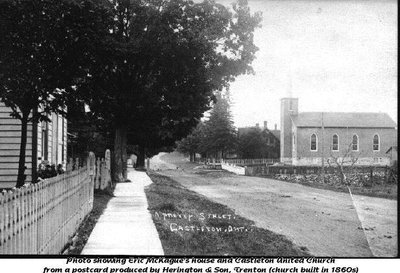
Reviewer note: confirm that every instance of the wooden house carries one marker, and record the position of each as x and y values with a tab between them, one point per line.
270	136
49	140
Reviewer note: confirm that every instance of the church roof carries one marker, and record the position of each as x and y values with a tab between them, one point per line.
337	119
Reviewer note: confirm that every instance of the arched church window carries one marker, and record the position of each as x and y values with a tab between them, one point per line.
335	142
375	145
313	142
354	144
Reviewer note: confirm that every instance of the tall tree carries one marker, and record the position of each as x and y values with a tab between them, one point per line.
44	47
163	63
220	133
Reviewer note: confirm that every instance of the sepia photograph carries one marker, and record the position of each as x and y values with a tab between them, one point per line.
199	128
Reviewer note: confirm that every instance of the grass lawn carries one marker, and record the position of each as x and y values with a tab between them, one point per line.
190	224
81	237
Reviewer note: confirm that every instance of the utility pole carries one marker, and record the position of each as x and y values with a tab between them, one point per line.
323	148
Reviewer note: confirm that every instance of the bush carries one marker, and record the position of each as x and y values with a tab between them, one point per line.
46	170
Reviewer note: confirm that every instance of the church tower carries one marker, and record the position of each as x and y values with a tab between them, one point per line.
289	108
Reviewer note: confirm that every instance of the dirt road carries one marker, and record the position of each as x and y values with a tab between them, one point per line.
328	223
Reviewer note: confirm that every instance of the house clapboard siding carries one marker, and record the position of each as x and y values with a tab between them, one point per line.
10	139
54	150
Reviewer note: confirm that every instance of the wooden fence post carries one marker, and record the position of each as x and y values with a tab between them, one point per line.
98	174
107	159
70	164
91	165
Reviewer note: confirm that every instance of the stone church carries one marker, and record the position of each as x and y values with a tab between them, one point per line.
307	138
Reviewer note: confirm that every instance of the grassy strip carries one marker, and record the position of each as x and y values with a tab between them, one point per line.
190	224
81	237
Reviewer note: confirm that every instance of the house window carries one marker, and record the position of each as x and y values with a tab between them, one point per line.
354	145
375	145
313	142
335	143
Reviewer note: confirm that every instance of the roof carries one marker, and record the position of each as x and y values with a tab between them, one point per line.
394	148
276	133
246	130
338	119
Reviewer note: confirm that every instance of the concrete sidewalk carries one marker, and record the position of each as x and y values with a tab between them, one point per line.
126	227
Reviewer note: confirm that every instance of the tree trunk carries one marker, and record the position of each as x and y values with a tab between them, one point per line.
34	148
140	157
22	153
194	157
125	154
120	155
342	175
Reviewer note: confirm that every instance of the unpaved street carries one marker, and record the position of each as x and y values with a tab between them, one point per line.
327	223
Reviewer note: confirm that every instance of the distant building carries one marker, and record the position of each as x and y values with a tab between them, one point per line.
51	145
308	137
271	138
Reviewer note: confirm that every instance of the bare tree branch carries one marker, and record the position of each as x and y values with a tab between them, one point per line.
347	159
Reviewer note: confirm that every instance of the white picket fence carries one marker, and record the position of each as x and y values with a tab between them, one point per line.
251	161
40	218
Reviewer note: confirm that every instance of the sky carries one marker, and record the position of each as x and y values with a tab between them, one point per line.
336	56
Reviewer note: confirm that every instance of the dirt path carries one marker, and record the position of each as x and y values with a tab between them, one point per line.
328	223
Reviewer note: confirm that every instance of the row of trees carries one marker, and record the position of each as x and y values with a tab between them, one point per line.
147	69
216	137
